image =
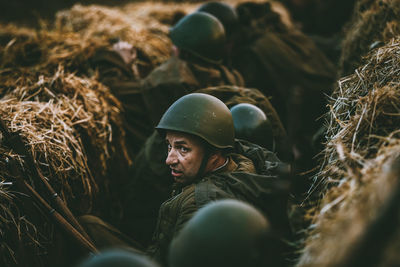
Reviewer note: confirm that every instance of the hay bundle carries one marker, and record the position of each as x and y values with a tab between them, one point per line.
363	137
373	24
44	50
148	36
76	36
72	127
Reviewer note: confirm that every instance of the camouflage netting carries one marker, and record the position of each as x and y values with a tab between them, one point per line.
364	138
373	24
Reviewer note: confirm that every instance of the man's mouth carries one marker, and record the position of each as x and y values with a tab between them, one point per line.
176	173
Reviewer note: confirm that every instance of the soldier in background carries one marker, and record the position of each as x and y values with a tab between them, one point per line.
121	69
199	42
252	124
286	66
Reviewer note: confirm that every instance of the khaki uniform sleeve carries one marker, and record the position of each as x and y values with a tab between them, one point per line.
187	209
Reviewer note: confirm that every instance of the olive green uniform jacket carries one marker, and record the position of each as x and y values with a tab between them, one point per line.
250	176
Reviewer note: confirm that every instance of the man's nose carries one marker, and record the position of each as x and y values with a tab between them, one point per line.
171	157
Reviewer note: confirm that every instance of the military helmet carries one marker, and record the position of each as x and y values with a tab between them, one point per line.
223	233
117	258
224	13
202	115
201	34
252	124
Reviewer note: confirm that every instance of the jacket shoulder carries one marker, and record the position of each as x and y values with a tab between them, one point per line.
265	161
173	71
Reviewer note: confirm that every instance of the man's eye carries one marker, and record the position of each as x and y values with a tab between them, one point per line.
169	147
184	149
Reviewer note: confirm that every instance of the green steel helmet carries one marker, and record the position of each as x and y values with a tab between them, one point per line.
201	34
224	13
223	233
252	124
117	258
202	115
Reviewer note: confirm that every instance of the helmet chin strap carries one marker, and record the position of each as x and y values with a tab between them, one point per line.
204	161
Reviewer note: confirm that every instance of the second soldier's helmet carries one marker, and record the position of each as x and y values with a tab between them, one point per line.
117	257
200	34
252	124
202	115
223	233
224	13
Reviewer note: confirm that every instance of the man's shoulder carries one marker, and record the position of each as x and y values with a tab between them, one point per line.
185	197
173	71
265	161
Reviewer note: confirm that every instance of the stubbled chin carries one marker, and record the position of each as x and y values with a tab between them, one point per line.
179	180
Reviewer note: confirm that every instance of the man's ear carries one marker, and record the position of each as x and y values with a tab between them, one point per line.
215	155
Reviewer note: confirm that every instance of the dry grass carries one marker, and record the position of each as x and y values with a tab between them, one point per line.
43	50
73	129
363	138
93	22
373	24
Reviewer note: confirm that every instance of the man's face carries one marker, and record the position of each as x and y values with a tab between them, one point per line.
185	154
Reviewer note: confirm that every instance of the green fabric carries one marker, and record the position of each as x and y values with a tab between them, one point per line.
287	66
124	83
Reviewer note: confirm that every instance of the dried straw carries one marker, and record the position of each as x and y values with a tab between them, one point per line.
44	50
92	22
363	137
72	126
374	23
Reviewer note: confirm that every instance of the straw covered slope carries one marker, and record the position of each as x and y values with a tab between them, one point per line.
72	128
357	172
148	36
373	24
78	33
43	50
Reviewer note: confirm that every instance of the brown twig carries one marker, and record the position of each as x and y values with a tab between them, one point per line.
16	143
60	221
